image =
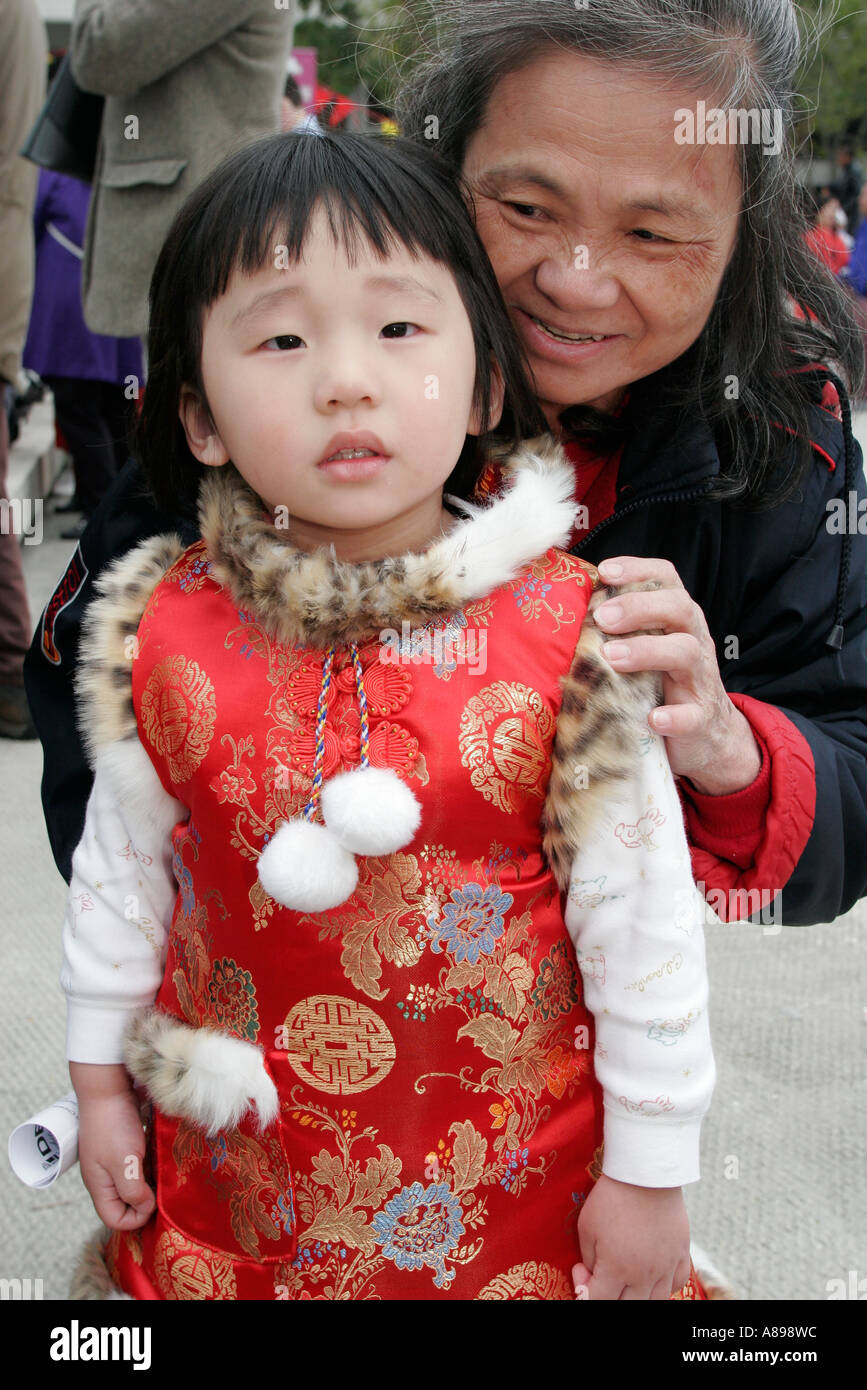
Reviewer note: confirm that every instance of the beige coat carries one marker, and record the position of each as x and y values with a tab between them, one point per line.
185	84
23	65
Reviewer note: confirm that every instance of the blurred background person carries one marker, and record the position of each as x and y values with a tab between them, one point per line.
23	58
184	85
824	237
94	378
855	274
847	186
294	115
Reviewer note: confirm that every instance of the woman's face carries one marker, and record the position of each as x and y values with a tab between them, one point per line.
598	225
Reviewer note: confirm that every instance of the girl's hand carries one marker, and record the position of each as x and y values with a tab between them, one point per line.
111	1148
634	1242
708	740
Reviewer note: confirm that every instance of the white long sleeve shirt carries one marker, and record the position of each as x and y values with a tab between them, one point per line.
633	913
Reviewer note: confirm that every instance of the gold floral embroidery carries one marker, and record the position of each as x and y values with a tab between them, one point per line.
533	585
532	1280
379	920
505	739
347	1208
257	1199
178	711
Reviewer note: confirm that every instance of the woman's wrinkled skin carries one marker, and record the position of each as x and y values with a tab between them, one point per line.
598	223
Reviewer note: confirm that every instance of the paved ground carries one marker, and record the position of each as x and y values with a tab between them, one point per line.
784	1192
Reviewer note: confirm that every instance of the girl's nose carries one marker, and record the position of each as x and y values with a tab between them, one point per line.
347	381
576	278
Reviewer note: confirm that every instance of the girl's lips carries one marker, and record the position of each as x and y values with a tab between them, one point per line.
555	349
354	470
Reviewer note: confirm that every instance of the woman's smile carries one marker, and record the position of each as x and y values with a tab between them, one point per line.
543	340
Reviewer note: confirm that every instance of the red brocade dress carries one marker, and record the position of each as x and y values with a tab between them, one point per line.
438	1128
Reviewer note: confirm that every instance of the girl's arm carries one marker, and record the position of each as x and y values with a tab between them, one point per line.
114	945
118	911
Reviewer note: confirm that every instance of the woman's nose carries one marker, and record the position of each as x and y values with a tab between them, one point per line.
577	278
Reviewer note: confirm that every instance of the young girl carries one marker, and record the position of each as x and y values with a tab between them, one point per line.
384	899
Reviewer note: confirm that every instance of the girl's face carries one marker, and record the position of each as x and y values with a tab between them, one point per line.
301	362
599	224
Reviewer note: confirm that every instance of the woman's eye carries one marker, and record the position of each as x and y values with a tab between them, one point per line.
392	330
283	341
524	209
644	235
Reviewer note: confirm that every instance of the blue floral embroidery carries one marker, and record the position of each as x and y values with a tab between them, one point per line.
471	922
514	1157
419	1227
314	1253
283	1212
245	649
197	570
219	1152
533	586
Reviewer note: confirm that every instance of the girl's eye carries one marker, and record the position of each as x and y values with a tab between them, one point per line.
387	331
283	341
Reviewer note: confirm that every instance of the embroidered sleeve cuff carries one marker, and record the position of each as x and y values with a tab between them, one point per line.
94	1032
651	1153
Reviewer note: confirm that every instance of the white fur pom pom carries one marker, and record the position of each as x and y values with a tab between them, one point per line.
304	866
370	810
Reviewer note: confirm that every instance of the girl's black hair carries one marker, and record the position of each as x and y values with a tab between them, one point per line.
389	191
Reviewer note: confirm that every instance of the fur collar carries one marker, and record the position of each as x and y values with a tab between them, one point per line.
314	599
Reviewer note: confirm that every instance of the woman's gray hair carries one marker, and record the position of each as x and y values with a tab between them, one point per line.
739	55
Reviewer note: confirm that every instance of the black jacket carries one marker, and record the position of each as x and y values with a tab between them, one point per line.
779	581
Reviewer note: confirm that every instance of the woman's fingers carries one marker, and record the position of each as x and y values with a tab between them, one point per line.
678	653
670	609
635	569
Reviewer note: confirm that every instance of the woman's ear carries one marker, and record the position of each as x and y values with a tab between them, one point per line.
205	444
498	396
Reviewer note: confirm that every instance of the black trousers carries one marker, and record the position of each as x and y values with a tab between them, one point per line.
96	420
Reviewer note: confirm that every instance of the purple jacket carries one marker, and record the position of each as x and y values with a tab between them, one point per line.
59	343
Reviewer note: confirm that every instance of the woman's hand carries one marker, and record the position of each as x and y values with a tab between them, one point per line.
708	739
634	1242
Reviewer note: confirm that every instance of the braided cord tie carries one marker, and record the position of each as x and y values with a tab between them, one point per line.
316	789
310	809
362	707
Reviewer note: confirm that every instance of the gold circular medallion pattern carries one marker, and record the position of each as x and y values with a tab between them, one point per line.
188	1271
178	710
338	1045
504	739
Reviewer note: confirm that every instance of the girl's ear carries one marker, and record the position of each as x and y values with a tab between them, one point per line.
498	395
205	444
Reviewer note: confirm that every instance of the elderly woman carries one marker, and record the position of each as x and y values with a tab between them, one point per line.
627	166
